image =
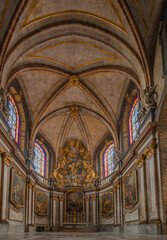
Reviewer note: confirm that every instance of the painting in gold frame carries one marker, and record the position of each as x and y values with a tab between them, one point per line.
41	203
74	201
107	204
17	190
130	190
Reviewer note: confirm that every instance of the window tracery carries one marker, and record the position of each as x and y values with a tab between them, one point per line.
39	159
108	161
134	121
14	120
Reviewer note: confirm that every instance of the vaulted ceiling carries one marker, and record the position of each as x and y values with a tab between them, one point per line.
106	43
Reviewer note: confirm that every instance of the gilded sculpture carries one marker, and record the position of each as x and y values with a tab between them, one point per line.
74	167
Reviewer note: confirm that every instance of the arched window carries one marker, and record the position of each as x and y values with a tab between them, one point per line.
39	159
134	120
108	161
14	120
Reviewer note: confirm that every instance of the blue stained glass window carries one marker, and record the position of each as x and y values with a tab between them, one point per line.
14	120
134	121
39	159
108	161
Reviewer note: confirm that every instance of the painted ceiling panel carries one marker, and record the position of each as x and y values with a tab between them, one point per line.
68	54
96	129
39	85
73	96
42	9
109	87
74	132
52	129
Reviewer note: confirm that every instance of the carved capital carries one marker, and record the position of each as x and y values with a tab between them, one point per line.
87	198
61	198
151	150
55	197
140	161
74	80
93	197
6	158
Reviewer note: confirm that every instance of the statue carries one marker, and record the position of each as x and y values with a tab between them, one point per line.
147	102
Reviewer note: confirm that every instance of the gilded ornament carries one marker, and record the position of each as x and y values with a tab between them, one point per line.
87	198
1	150
74	111
6	158
74	80
140	160
93	197
151	150
55	197
74	168
61	198
19	96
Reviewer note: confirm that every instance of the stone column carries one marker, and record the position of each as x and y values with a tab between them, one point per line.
115	204
30	203
142	188
55	213
118	204
61	210
94	210
5	185
87	204
33	202
150	154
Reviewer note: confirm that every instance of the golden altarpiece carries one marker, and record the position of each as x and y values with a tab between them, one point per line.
74	173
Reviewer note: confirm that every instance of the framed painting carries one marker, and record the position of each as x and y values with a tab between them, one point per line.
74	202
41	204
107	204
17	190
130	191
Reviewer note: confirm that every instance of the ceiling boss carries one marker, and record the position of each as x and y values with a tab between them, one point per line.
74	167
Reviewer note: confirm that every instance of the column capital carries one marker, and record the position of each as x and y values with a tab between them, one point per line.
93	197
6	158
141	160
150	150
87	198
61	198
55	197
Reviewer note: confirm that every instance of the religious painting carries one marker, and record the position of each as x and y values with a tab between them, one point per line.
130	189
74	202
17	191
41	204
107	204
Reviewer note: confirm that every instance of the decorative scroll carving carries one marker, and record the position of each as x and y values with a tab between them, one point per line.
93	197
140	161
74	111
151	150
3	103
74	80
147	102
74	168
5	156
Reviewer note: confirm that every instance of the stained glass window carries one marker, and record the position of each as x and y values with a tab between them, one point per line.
39	159
14	121
134	121
108	161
